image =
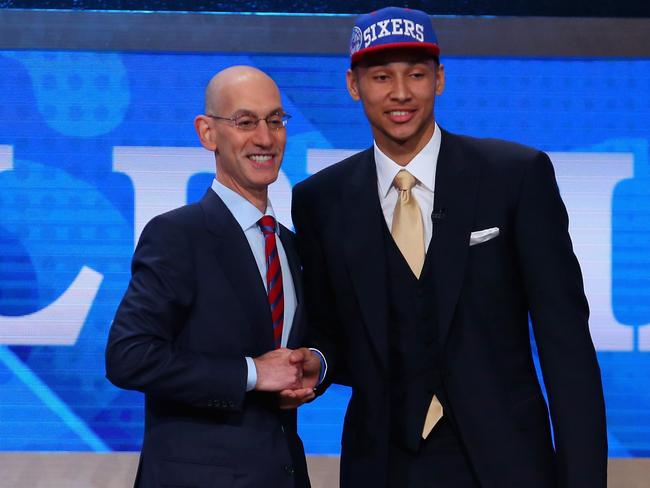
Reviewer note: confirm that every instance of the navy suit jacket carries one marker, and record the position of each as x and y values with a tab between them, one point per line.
194	309
483	296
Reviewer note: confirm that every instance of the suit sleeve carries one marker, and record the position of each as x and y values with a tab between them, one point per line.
559	314
142	354
324	324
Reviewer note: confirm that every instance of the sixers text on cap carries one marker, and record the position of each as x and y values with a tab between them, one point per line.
392	27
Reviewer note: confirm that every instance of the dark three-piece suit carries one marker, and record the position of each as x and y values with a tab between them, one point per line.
196	306
460	331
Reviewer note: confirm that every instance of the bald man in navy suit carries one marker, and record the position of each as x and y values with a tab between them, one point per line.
208	325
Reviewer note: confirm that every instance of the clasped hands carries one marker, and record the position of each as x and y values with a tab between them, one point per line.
292	373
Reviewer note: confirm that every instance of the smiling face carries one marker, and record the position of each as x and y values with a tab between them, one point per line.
398	88
247	161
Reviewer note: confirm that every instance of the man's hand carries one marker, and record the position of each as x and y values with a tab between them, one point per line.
294	398
276	371
310	365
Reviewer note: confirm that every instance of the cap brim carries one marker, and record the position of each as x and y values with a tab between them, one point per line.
432	49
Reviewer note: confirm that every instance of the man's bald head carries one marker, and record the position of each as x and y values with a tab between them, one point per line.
225	84
241	127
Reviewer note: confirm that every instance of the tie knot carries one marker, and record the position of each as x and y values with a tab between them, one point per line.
404	180
267	225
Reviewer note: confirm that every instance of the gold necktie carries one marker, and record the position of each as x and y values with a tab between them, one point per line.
407	228
408	233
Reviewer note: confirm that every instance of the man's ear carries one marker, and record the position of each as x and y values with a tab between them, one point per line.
353	84
206	132
440	79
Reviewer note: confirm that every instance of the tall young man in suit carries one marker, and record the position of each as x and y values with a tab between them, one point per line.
213	306
424	257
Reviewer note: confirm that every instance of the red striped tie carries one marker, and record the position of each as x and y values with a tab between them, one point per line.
273	277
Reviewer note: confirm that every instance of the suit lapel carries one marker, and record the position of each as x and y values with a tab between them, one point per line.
456	188
235	258
364	249
296	335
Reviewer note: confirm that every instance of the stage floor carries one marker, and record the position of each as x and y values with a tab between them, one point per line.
117	470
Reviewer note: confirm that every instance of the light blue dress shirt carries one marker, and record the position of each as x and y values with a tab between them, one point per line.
247	215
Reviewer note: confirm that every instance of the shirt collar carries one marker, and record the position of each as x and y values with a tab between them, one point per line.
422	166
246	214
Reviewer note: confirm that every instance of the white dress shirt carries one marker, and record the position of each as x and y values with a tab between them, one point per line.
423	167
247	215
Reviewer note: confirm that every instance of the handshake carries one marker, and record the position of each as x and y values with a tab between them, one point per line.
292	373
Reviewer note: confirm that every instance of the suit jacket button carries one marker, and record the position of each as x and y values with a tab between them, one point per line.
289	469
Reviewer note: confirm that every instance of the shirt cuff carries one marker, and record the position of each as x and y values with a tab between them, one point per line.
251	376
323	365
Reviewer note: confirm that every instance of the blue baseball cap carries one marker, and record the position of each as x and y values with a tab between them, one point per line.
392	27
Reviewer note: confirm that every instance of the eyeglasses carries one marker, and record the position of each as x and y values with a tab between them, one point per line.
275	121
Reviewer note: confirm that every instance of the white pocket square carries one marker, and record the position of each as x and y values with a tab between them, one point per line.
480	236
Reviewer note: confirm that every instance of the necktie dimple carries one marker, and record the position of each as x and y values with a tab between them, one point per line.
273	277
408	232
407	228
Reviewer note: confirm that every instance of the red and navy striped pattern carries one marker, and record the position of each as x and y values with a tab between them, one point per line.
273	277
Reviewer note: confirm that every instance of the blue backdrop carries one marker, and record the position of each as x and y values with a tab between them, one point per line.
93	144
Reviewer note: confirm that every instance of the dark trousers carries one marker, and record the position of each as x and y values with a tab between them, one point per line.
441	462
